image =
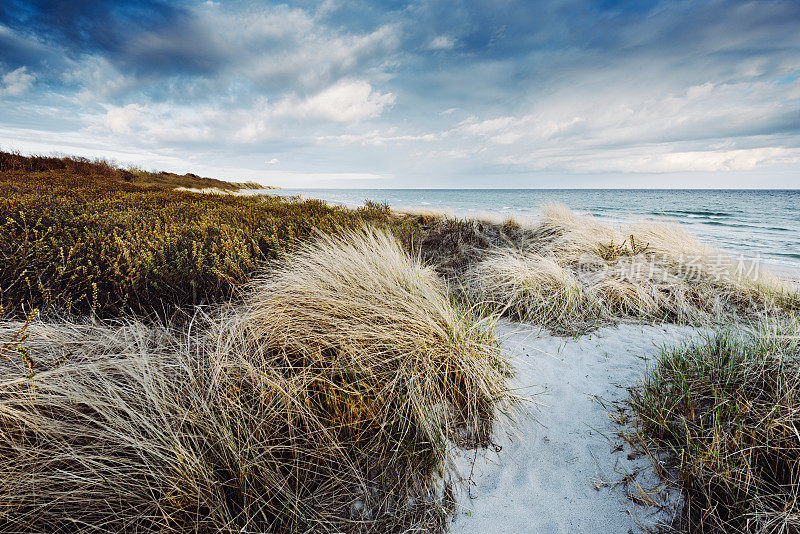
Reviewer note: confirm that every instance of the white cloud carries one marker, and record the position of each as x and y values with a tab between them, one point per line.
631	130
17	82
124	120
697	161
315	58
377	138
441	42
346	101
151	125
657	159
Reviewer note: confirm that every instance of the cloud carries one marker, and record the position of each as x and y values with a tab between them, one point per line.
16	83
158	124
659	159
346	101
441	42
378	138
107	27
123	120
699	161
317	59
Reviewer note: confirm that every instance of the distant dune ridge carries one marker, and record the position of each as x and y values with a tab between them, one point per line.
175	361
15	162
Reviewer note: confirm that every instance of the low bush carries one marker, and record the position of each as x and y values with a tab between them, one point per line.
79	240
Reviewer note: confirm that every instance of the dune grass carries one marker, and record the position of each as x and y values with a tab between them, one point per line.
726	411
529	287
328	394
87	238
20	165
571	270
327	398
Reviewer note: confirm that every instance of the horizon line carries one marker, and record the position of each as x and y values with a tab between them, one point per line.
541	188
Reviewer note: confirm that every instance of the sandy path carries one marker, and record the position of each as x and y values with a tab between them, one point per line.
545	477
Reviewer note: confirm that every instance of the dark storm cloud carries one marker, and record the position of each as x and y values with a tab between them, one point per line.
119	31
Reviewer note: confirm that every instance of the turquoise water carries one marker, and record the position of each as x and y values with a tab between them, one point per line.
761	224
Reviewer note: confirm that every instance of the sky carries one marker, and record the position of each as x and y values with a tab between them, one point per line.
393	94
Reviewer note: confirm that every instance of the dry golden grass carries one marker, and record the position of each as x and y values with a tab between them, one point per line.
326	399
571	270
529	287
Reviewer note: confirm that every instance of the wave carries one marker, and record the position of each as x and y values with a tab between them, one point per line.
698	213
787	255
745	225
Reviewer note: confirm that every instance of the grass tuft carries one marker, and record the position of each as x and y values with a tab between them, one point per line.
727	412
529	287
572	270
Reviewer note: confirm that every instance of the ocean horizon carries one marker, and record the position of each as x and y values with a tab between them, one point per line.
755	224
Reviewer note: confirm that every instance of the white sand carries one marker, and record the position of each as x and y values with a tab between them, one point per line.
217	191
545	477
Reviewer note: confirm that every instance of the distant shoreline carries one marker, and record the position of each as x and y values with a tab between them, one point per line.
755	224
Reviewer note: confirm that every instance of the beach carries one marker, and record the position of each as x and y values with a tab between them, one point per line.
562	466
408	267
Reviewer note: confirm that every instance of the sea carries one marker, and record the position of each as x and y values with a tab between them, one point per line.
757	225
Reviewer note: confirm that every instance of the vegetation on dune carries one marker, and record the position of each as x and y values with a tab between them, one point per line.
85	237
324	401
571	272
326	394
79	240
13	162
455	245
725	410
530	287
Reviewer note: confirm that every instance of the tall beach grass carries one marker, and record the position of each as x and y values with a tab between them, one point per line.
573	271
327	398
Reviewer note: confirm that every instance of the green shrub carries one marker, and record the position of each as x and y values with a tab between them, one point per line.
79	240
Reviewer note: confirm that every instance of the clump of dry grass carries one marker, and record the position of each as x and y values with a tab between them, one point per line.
324	400
725	410
571	269
529	287
371	340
